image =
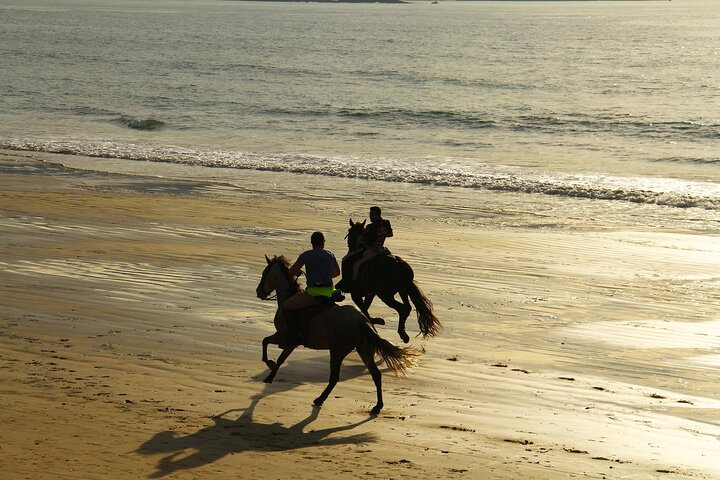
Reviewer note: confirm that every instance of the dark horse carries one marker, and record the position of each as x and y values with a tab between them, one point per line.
340	329
386	276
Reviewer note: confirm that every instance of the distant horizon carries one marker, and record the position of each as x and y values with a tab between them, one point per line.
448	1
438	1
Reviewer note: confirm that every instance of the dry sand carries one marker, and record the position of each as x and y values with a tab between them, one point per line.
130	342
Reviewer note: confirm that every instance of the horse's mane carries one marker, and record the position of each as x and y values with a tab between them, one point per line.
282	260
285	264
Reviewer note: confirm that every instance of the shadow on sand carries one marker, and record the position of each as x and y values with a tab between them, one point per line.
228	436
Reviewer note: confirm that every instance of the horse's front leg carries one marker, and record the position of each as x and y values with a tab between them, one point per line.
375	320
272	339
359	300
363	304
281	359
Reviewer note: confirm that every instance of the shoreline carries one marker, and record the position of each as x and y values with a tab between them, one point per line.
130	324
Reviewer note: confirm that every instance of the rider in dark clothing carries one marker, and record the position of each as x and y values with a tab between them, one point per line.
373	244
378	230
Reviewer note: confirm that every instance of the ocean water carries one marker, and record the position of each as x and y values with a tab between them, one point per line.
604	106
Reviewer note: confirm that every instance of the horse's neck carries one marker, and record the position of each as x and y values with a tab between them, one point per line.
282	297
354	241
353	246
285	289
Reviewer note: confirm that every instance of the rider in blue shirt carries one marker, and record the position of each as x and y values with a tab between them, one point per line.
320	268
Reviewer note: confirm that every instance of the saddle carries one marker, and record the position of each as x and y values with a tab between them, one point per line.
297	320
367	272
336	297
323	303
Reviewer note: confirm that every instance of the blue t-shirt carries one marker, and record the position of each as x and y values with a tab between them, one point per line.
319	264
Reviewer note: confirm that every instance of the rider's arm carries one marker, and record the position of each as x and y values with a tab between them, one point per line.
295	270
388	229
335	270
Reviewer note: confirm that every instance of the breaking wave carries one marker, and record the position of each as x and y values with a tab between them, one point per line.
666	192
140	124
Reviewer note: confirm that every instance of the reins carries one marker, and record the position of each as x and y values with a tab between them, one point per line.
275	295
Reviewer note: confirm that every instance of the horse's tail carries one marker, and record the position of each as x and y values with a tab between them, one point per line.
398	359
427	321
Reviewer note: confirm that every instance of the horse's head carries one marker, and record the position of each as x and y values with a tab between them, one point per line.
276	276
355	234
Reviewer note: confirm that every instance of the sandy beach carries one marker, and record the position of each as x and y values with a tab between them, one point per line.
130	338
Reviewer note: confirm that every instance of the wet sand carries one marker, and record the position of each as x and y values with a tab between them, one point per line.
130	340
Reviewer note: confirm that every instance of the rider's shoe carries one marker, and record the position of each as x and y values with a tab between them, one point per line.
344	285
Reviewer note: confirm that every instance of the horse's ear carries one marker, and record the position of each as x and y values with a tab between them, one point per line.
351	222
267	259
363	224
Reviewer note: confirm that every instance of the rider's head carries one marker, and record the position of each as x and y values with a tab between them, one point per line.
317	240
375	213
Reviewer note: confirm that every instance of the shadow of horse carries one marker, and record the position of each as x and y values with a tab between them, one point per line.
227	436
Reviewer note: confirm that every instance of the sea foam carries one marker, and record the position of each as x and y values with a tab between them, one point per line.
657	191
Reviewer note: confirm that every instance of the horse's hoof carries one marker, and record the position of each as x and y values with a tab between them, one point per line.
376	409
269	378
405	337
378	321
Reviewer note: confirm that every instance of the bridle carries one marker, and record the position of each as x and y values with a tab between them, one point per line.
270	296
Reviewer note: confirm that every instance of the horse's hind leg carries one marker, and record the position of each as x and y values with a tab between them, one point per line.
403	310
368	358
336	359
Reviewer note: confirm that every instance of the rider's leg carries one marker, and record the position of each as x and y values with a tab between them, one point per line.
292	312
345	283
368	253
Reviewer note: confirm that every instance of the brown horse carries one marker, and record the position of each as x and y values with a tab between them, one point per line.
386	276
340	329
